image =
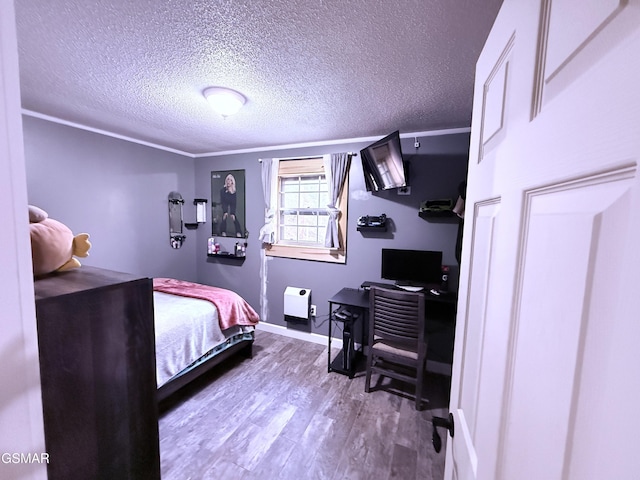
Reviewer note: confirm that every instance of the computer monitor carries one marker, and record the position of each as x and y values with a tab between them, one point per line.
407	267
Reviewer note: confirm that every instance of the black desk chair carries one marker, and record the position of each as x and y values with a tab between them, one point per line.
397	341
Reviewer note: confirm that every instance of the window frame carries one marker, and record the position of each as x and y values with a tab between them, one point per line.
301	167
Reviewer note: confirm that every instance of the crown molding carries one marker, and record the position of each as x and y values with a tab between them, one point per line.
106	133
431	133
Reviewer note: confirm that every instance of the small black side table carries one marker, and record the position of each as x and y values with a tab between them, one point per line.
347	307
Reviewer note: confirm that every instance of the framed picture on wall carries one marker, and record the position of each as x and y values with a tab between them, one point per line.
228	204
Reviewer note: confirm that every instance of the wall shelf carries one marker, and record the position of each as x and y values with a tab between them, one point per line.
440	214
380	228
225	255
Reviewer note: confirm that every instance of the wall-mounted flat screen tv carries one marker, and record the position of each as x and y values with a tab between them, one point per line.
383	165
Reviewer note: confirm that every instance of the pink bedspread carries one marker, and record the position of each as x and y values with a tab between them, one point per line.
232	308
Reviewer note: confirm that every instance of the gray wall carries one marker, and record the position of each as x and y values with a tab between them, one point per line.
117	192
114	190
437	168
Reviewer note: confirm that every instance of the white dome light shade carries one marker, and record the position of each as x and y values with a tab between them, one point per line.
224	100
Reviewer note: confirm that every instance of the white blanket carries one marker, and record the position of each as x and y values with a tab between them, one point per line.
186	329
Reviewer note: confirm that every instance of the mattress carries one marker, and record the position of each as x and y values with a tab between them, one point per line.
185	330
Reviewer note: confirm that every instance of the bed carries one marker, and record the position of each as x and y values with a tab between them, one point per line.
197	327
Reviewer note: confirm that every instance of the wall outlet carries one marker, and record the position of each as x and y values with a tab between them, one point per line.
404	191
312	311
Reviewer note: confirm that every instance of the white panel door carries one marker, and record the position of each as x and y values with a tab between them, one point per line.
545	377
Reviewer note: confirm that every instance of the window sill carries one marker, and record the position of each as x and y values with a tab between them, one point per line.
306	253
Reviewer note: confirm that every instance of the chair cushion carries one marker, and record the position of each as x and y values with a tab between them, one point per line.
381	345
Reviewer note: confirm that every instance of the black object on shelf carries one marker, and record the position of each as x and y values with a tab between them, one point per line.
372	223
436	208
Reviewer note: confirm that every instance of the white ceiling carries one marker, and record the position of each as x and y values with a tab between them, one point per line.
312	70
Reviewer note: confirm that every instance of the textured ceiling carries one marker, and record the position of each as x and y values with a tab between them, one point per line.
312	70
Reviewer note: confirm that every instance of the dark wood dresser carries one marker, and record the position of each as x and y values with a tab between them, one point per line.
97	368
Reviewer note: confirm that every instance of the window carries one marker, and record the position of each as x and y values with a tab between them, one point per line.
302	213
302	217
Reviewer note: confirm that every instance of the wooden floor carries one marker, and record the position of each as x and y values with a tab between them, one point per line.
280	415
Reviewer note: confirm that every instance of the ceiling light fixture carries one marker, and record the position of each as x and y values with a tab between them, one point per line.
224	100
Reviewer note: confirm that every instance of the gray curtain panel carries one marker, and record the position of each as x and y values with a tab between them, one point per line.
336	167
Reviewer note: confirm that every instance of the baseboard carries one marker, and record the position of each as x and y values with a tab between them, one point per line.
432	366
307	337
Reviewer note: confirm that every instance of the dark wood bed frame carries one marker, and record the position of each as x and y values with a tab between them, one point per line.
244	348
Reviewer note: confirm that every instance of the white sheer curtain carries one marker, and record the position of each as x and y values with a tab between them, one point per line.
336	167
269	175
267	232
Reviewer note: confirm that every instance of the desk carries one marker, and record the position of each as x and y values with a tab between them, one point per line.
355	301
441	319
446	298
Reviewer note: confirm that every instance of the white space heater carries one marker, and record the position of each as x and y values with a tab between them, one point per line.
297	304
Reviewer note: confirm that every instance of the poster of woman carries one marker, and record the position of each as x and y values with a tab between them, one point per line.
228	203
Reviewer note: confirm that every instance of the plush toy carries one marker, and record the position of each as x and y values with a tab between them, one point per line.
53	245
